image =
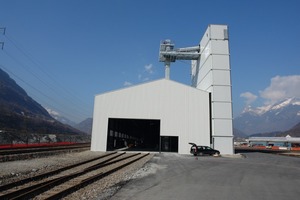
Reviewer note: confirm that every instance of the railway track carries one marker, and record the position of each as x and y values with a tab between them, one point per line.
61	182
25	153
12	151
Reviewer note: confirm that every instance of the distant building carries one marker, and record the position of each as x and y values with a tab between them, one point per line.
287	142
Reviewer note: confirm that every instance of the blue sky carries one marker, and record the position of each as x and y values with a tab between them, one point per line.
64	52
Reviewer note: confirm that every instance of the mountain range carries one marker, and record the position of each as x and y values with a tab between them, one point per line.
84	126
275	118
19	113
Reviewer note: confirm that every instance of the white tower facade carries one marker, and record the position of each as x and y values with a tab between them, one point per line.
211	73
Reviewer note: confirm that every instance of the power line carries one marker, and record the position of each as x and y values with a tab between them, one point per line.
30	57
40	92
28	69
33	87
3	31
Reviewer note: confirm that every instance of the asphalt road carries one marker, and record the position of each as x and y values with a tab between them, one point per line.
258	176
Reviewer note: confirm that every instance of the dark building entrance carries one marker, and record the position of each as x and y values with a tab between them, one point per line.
169	143
133	134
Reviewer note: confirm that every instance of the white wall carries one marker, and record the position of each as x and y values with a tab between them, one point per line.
211	72
183	111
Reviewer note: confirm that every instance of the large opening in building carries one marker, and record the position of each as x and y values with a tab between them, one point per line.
133	134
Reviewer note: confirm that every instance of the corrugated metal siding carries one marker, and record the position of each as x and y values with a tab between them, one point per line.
183	111
212	73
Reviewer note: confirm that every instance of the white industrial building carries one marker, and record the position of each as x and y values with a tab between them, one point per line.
164	115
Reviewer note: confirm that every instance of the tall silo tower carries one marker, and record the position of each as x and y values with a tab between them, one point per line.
211	72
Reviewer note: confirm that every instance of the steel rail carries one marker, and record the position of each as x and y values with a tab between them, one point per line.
31	190
38	149
51	173
91	180
39	188
45	146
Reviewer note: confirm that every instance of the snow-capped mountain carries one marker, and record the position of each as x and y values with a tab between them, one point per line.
280	116
275	107
84	126
60	118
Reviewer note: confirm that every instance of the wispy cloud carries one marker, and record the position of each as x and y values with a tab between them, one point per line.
250	98
149	68
147	73
126	83
281	87
140	77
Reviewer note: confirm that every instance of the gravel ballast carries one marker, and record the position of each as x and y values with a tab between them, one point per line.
102	189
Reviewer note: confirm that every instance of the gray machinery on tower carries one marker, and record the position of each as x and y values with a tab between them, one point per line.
168	54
